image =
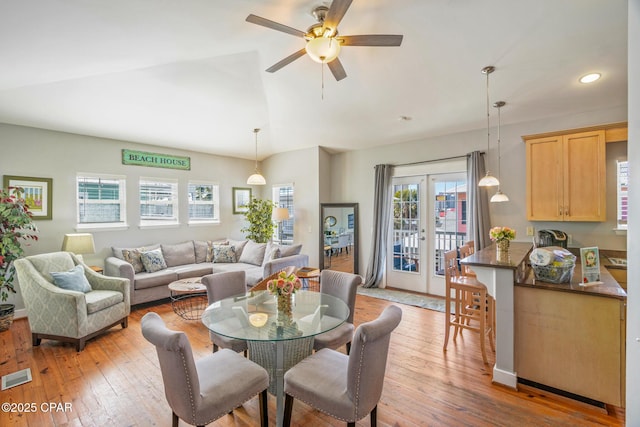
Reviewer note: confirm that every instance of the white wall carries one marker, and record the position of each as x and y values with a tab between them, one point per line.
41	153
633	247
352	176
300	168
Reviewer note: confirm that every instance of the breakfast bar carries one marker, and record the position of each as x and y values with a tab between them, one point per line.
500	275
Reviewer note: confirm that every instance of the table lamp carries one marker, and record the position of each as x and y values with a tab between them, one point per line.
79	243
279	215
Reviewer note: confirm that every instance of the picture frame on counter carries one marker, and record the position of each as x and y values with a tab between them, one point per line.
590	264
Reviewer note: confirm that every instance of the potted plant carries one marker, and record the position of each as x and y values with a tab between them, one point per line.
258	213
16	225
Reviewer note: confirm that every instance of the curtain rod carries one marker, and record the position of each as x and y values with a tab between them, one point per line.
434	160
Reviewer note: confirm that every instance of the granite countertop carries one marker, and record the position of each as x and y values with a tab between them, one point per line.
609	287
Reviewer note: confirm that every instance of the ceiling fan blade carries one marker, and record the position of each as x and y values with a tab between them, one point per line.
286	61
274	25
371	40
337	69
336	13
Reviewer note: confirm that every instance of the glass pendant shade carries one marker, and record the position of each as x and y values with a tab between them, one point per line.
488	181
323	49
499	197
256	179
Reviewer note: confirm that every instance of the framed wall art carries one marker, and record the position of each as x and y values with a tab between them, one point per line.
38	194
241	199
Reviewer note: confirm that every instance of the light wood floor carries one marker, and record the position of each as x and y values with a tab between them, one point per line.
116	381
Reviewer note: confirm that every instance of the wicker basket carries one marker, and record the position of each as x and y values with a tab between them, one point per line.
553	274
7	312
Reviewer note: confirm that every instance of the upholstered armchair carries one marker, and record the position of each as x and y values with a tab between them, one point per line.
70	315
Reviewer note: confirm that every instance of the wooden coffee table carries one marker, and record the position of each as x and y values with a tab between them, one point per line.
188	298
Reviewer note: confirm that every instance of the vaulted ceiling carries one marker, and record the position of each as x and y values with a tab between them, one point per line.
191	73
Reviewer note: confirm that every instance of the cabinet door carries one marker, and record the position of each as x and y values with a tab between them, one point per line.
584	177
544	179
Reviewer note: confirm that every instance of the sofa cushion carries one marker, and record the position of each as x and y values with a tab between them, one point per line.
290	250
132	256
99	300
253	274
272	251
179	254
151	280
72	280
153	261
253	253
224	253
118	252
193	270
239	246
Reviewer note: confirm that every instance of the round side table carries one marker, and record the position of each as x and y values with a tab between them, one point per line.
188	298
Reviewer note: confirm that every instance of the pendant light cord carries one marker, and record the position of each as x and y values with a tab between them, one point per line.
488	124
255	131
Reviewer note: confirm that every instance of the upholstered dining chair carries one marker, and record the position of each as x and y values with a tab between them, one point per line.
347	387
67	301
474	307
202	391
220	286
344	286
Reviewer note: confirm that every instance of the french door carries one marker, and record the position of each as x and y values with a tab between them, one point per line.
428	218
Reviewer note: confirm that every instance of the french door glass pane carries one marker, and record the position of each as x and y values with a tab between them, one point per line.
450	219
406	227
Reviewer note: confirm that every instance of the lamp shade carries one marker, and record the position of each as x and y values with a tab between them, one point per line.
280	214
488	181
323	49
256	179
499	197
79	243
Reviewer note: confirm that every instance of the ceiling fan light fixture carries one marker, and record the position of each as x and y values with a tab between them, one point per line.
323	49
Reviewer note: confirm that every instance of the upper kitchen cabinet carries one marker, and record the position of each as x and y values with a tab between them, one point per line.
566	179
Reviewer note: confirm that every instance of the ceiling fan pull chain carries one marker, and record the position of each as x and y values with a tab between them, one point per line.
322	78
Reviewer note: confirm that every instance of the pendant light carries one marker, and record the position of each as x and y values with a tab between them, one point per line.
488	180
256	178
499	196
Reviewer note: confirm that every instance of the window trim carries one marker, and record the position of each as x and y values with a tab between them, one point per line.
175	199
122	191
215	202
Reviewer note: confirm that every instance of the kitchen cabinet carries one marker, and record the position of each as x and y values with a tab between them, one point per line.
566	179
571	341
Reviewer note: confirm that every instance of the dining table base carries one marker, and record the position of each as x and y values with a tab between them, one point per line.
277	357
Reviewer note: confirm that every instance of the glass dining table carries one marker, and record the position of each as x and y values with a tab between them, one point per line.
276	342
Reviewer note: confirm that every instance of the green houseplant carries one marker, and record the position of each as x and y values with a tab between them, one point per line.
258	214
16	225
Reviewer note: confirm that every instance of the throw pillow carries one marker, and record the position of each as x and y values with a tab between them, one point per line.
239	245
271	252
290	250
132	256
210	244
253	253
224	253
153	261
72	280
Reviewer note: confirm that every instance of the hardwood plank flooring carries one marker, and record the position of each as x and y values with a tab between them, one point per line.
116	381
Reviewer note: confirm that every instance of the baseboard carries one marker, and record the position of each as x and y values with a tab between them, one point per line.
20	313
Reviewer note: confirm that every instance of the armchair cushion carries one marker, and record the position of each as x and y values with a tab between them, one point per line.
72	280
99	300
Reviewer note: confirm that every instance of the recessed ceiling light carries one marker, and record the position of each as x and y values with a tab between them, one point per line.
405	118
590	78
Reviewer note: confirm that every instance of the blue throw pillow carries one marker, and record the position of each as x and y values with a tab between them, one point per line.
153	261
72	280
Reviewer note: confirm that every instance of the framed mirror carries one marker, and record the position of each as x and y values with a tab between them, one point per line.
339	237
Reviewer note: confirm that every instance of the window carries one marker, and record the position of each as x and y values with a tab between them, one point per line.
100	200
283	198
158	201
204	202
622	187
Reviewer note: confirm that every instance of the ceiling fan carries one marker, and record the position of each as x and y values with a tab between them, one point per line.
323	42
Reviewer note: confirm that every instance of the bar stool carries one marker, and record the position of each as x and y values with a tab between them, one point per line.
474	307
466	250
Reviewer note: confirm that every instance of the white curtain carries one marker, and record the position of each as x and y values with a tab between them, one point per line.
381	214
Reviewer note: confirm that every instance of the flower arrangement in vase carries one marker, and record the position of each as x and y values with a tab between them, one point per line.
502	236
283	287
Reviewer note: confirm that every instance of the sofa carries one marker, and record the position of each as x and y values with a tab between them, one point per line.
150	268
